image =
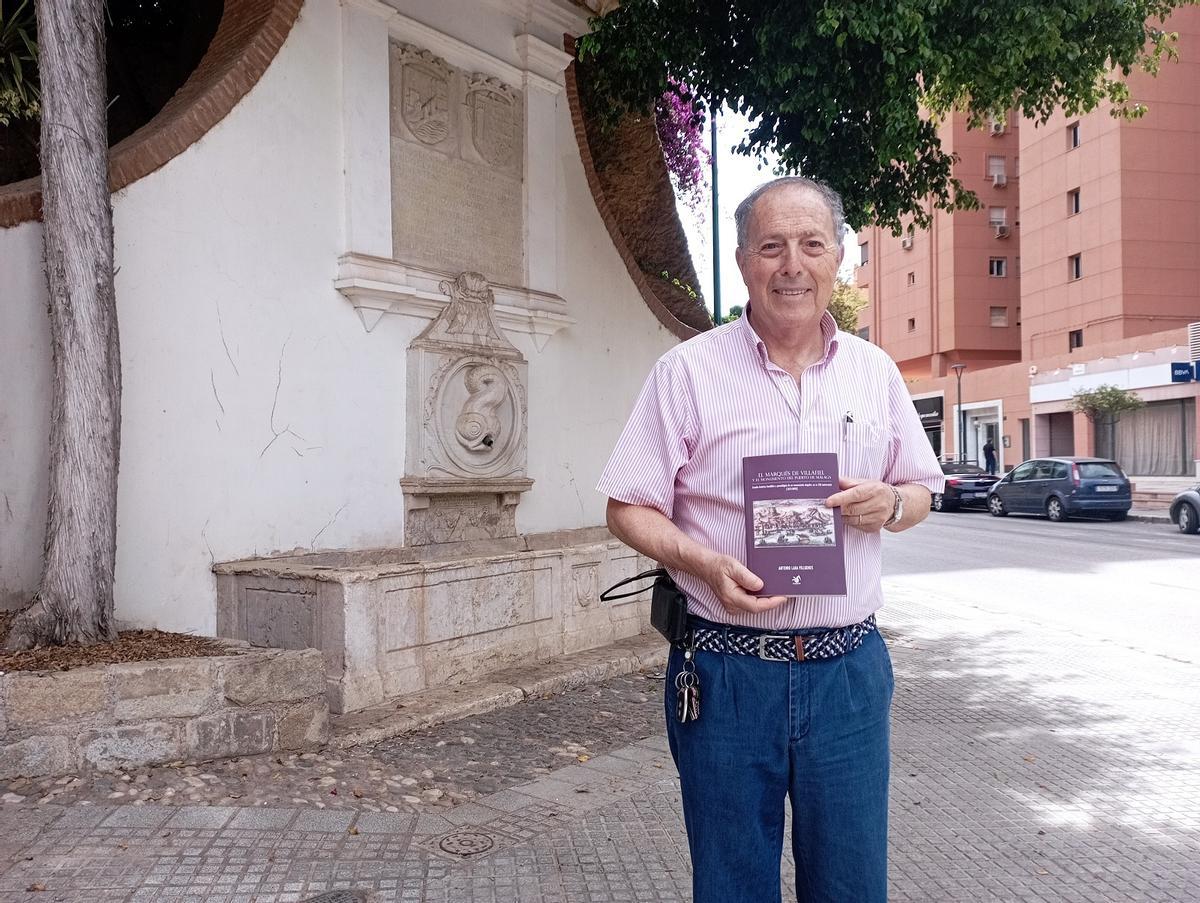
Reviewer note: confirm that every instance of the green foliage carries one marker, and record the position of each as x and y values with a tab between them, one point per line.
18	62
735	312
845	304
679	284
1105	404
852	91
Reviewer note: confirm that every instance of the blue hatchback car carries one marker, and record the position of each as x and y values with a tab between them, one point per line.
1063	487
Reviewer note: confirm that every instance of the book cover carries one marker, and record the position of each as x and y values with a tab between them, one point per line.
793	542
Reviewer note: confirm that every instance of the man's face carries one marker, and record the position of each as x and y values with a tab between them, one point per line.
791	258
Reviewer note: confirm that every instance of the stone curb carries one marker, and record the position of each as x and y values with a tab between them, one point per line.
501	689
1149	517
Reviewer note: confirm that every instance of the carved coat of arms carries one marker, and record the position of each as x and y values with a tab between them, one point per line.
425	100
493	121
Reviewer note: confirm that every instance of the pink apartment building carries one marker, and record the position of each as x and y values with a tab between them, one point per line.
1082	269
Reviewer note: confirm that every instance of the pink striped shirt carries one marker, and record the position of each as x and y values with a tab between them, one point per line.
717	398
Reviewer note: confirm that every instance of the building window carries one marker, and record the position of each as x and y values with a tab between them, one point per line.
1072	202
995	165
864	253
1075	339
1018	314
1075	267
1017	266
912	278
997	216
912	324
998	266
1073	135
999	316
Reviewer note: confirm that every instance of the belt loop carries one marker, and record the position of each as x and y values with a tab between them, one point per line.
847	638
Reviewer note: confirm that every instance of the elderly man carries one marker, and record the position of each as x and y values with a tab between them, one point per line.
813	727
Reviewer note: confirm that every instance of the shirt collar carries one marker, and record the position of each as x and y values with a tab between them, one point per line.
829	337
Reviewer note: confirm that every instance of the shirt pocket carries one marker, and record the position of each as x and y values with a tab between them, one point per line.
864	449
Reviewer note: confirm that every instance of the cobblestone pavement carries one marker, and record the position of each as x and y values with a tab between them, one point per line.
435	768
1031	763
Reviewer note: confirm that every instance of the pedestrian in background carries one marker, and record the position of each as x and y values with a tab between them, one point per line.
989	456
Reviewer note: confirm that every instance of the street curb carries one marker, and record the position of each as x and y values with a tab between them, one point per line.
1150	518
499	689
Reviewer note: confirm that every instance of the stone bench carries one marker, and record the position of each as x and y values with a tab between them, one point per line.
106	717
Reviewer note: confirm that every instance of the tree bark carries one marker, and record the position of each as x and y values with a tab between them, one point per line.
74	603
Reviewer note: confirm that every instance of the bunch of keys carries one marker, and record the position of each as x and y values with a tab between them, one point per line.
687	690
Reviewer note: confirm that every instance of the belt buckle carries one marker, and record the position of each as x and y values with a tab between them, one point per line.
762	648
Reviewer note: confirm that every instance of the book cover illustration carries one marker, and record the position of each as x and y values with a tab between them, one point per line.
793	542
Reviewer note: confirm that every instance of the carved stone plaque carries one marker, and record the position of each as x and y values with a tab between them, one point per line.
467	435
423	89
493	110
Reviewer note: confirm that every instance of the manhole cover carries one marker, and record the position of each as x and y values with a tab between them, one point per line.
340	896
466	843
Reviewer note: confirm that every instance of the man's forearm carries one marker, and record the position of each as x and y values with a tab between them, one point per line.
916	506
653	534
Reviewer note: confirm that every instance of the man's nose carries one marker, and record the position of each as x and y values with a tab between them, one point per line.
791	261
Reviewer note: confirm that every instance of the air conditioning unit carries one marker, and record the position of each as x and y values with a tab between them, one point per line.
996	127
1194	341
999	180
1001	230
906	242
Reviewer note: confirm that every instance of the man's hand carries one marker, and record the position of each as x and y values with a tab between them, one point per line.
866	504
735	586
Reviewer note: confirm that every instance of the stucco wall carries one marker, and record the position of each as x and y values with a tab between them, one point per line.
259	415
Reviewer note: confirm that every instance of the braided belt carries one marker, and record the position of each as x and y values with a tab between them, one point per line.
775	647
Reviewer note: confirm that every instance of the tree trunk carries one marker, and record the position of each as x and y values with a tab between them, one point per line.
75	600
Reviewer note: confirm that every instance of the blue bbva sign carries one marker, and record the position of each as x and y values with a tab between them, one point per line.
1183	372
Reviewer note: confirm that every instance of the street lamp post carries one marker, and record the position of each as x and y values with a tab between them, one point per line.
962	420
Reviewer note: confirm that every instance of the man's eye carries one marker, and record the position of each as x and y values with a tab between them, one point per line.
815	245
770	246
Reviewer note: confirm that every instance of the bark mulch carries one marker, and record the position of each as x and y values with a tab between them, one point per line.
130	646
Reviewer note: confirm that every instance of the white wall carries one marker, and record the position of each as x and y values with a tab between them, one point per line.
24	412
259	415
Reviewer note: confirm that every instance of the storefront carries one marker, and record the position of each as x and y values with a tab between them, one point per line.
930	408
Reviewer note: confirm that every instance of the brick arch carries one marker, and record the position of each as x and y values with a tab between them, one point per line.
248	38
632	189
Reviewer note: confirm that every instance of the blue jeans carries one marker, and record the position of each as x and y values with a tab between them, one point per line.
816	732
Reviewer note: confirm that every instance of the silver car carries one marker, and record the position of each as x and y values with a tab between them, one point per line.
1185	510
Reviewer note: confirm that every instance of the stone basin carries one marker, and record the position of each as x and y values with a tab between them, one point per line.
395	621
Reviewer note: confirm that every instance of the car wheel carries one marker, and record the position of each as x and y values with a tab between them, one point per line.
1189	519
1118	515
936	502
1055	510
996	506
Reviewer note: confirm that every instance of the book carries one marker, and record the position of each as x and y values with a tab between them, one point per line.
793	542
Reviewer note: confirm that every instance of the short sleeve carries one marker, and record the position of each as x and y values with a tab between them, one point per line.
656	442
910	456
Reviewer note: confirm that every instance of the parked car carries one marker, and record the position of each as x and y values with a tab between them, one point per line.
966	486
1063	487
1185	510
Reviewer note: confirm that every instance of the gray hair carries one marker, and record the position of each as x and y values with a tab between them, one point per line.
832	200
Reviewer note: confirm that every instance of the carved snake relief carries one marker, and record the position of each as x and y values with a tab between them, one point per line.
478	426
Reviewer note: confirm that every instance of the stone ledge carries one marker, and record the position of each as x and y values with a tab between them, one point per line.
502	688
105	717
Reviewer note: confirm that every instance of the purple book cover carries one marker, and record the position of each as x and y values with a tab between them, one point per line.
793	542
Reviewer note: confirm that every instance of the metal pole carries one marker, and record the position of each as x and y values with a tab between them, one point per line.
962	419
716	218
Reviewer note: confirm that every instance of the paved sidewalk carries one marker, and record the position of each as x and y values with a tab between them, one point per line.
1029	764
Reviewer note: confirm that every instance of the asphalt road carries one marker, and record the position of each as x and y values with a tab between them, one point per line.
1133	584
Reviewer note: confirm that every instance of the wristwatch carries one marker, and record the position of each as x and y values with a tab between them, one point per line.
897	509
